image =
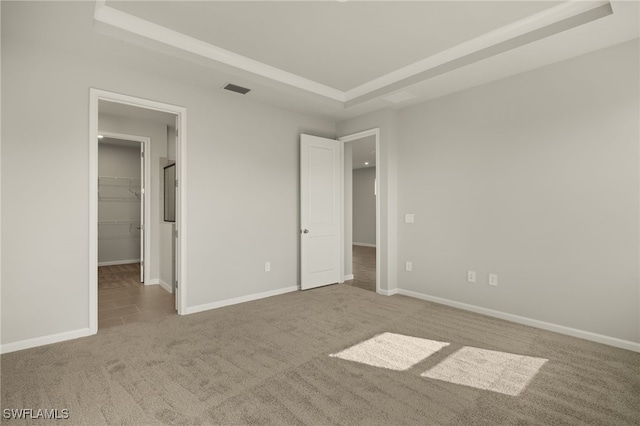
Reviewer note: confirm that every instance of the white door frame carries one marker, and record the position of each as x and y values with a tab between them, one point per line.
146	141
96	95
350	138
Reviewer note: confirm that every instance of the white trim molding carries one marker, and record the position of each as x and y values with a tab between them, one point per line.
241	299
347	277
582	334
549	22
165	286
387	292
44	340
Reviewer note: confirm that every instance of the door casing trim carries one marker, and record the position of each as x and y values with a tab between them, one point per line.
96	95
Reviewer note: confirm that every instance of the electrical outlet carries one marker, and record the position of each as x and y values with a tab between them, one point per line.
409	218
493	279
267	266
471	276
408	266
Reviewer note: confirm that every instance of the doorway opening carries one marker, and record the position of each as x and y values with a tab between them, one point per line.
361	210
124	234
136	245
123	205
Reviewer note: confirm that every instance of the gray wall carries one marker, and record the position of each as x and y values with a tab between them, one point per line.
118	242
364	206
535	178
231	169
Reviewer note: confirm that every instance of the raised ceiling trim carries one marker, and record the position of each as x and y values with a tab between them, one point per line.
484	42
127	22
562	17
476	55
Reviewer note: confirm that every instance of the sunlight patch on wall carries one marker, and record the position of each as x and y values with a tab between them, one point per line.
490	370
392	351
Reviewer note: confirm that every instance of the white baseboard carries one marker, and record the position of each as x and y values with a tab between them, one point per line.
363	244
347	277
587	335
152	281
119	262
241	299
166	286
388	292
44	340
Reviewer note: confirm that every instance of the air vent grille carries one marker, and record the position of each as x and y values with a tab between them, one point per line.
399	97
237	89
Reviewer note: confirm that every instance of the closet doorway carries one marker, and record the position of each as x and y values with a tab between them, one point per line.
136	251
123	205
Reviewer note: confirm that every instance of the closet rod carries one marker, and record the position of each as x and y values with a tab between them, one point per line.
117	222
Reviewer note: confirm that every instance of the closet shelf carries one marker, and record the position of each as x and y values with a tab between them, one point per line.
137	200
123	237
117	222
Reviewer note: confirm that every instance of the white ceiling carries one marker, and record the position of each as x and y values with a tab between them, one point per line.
329	59
338	44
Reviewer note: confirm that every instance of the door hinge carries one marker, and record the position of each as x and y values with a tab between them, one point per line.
142	154
142	263
176	183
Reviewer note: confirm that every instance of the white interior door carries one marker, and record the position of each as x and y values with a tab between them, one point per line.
142	210
320	168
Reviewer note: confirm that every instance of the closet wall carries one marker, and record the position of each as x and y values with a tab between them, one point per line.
119	203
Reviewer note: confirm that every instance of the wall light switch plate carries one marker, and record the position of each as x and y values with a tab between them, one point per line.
471	276
409	218
408	266
267	266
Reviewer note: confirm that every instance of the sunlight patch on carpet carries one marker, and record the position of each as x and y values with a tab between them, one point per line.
392	351
490	370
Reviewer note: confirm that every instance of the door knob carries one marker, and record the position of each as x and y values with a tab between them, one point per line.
305	231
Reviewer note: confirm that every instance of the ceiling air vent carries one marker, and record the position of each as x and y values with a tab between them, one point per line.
237	89
399	97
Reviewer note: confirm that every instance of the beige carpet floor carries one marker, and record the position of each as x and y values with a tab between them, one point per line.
268	362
